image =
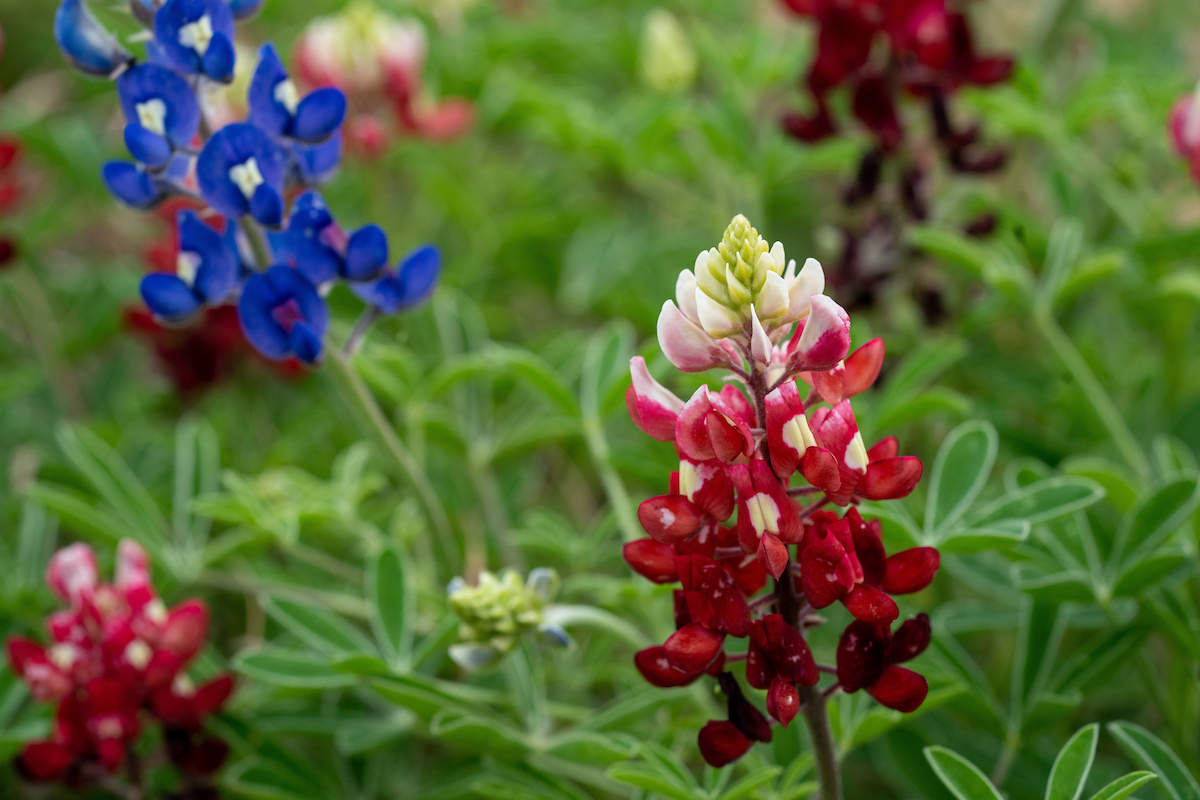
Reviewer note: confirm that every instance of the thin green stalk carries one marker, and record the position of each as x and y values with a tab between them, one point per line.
614	487
358	396
258	243
1095	393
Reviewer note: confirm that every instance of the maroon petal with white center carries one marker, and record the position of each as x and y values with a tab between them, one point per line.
783	701
47	681
693	647
891	478
669	518
721	743
869	604
707	486
653	560
900	689
788	433
652	406
911	570
712	596
910	639
824	340
862	655
656	668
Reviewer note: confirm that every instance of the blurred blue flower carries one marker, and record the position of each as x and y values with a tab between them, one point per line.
314	164
196	37
282	314
206	272
316	245
86	43
241	171
161	110
410	284
244	9
277	108
132	185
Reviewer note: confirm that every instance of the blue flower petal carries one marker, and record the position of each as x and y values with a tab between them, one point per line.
320	264
317	163
305	343
293	284
219	60
86	43
418	275
255	308
217	273
145	83
176	14
230	147
167	296
265	109
147	147
366	253
319	114
130	184
244	9
266	206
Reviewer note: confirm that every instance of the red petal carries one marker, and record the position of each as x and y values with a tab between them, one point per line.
760	665
693	647
868	546
747	571
732	396
794	659
911	570
825	572
713	597
773	554
783	701
653	560
691	431
721	743
212	695
186	629
862	368
72	573
657	670
869	604
900	688
22	652
45	761
669	518
887	447
820	468
861	655
891	478
728	442
714	494
830	384
783	405
910	639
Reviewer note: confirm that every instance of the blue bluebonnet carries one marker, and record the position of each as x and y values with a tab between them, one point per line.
283	314
196	37
207	272
277	108
161	110
90	46
240	171
317	246
410	284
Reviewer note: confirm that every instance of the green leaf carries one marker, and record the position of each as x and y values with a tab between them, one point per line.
1157	516
1123	787
1041	501
1120	485
962	778
1000	535
391	598
292	669
1063	587
960	470
1073	764
1148	571
651	780
498	360
1149	753
746	786
318	627
951	248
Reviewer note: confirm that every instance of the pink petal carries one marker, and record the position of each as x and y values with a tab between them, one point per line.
691	428
686	344
654	408
825	339
72	573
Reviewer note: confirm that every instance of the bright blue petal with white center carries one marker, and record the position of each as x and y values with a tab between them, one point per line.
217	272
236	162
319	114
147	147
161	101
184	31
267	111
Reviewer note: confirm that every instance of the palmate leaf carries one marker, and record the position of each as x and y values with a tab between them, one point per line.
1157	516
960	470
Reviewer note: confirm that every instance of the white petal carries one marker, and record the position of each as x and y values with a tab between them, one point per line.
646	387
777	255
772	301
685	294
760	343
810	281
718	321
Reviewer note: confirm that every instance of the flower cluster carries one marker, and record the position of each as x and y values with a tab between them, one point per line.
117	661
883	52
497	611
377	60
244	244
1183	126
774	330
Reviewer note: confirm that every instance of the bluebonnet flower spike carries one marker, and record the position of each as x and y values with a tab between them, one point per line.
240	171
196	37
277	108
409	285
89	46
282	314
206	273
162	112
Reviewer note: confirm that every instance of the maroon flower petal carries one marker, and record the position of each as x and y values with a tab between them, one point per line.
900	688
669	518
861	655
693	647
721	743
891	478
910	639
760	665
773	554
657	670
653	560
869	604
911	570
45	761
783	701
825	572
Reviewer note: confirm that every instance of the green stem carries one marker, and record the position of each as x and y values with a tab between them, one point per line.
1012	743
356	394
614	487
1101	403
258	243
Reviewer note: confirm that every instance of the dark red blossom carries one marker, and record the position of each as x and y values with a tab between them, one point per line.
868	655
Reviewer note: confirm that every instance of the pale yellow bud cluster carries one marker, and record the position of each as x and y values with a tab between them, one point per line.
742	276
499	609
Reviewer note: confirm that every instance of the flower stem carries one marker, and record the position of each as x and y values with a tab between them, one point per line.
258	243
358	396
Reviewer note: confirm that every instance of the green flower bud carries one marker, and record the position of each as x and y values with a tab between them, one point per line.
499	609
667	59
740	272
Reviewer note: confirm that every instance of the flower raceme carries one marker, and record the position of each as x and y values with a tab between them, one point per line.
771	328
241	243
118	657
